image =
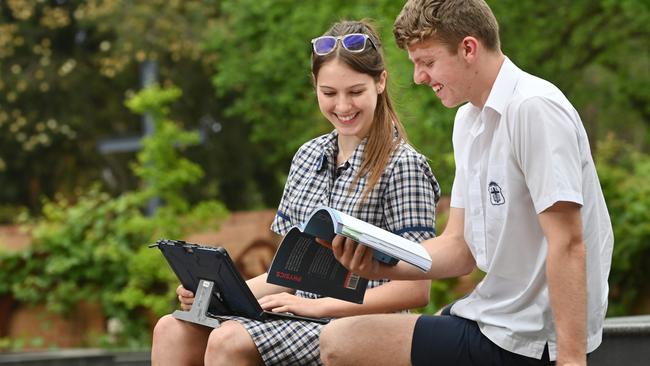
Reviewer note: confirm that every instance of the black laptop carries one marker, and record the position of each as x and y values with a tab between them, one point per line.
230	295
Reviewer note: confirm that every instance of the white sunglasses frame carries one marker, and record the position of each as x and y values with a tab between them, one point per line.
339	39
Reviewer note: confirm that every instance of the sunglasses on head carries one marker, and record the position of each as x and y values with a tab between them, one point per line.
353	42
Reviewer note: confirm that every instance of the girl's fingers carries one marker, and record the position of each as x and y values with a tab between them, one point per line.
181	291
281	309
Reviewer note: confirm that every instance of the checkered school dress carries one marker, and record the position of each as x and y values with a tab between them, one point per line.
403	201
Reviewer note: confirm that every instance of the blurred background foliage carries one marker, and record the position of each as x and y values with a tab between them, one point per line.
236	74
93	248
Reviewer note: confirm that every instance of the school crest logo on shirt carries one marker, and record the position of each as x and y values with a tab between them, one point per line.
496	196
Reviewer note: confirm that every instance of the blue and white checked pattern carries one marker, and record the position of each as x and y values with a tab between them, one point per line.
403	201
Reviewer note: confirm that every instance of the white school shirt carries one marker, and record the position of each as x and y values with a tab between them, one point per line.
524	151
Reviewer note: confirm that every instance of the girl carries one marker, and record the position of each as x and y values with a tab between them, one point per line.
364	168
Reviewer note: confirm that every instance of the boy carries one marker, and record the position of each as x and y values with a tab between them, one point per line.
526	208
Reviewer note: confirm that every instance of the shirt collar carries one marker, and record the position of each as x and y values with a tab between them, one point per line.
504	87
329	145
501	92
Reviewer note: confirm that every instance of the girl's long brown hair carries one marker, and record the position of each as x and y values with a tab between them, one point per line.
386	132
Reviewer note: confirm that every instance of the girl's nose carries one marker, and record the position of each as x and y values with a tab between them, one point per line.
343	104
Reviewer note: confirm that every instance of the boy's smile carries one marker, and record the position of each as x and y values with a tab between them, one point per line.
445	72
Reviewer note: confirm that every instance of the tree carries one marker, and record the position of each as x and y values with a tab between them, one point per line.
68	64
595	51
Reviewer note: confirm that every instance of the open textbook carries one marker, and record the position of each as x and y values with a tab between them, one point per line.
303	263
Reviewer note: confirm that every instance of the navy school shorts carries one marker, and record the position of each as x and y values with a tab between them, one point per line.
451	340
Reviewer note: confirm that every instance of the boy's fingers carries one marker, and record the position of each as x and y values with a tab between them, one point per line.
323	243
348	250
358	256
337	246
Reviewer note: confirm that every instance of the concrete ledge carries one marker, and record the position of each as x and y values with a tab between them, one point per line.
141	358
76	357
627	325
626	341
72	357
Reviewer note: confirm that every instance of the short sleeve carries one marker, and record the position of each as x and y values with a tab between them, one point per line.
459	139
411	197
545	144
457	199
282	221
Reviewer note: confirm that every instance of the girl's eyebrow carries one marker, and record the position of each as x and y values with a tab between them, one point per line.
350	87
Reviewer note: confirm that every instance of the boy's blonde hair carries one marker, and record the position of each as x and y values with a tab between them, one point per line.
447	21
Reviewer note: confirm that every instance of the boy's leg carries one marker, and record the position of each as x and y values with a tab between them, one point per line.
420	340
176	342
368	340
231	344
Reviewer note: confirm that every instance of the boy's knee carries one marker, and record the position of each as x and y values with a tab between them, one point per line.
330	350
326	345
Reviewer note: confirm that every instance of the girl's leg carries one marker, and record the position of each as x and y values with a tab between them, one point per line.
231	344
176	342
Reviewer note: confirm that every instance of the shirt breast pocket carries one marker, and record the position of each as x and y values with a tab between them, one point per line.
496	190
497	200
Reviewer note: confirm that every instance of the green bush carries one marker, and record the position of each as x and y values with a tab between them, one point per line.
95	248
624	175
10	213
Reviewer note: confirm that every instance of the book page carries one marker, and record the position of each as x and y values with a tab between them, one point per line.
380	238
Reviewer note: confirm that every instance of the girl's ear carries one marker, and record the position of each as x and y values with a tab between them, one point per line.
381	83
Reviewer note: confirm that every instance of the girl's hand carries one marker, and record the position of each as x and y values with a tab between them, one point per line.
185	297
288	303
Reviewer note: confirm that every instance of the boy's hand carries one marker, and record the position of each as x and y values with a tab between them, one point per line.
356	257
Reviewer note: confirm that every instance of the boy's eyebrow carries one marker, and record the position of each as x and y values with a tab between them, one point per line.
416	59
419	58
